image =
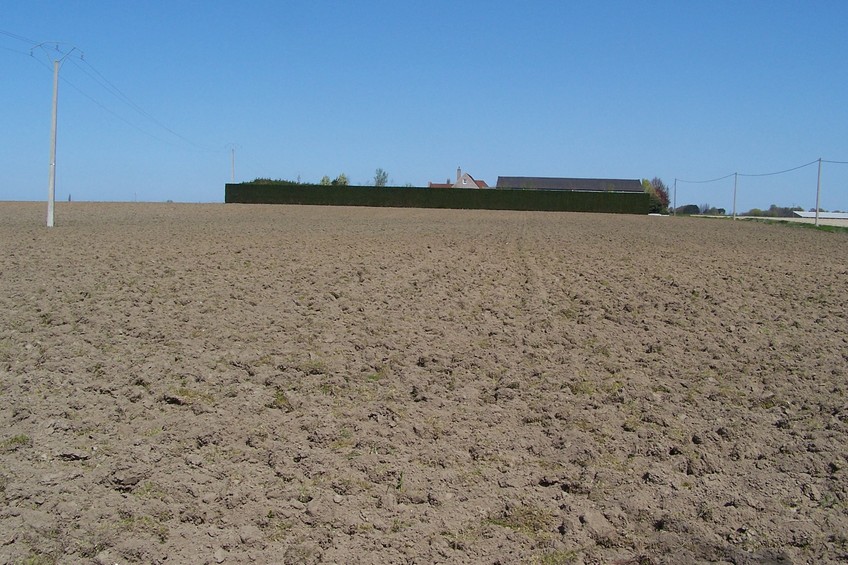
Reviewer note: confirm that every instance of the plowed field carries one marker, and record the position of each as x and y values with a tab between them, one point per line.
231	383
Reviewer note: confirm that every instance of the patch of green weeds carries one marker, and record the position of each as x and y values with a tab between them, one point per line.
399	525
139	381
344	440
314	367
485	343
267	359
39	559
829	500
303	495
329	389
631	423
705	511
583	424
189	396
275	527
364	528
613	386
435	427
145	524
582	388
563	557
470	476
378	375
529	520
149	489
733	394
613	462
15	442
569	313
348	486
281	402
460	539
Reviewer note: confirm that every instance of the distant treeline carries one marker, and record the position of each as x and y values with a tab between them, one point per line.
278	182
773	211
381	178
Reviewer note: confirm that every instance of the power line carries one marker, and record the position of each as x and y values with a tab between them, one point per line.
780	172
837	162
14	50
18	37
115	114
758	174
117	93
104	83
706	181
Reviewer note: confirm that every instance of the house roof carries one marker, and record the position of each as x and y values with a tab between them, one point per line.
556	183
479	183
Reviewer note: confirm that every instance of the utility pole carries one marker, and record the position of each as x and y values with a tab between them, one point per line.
51	186
51	183
674	205
232	147
735	178
818	193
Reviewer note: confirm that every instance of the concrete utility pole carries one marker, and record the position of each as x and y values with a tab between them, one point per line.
818	192
232	147
735	178
51	186
674	205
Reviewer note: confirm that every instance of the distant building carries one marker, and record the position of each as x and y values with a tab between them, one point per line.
822	215
463	180
584	185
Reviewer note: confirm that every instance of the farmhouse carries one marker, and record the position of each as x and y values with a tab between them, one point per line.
583	185
463	180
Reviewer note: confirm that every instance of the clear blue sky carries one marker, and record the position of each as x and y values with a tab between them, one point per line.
686	89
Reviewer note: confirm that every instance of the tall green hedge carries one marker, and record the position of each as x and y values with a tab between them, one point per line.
480	199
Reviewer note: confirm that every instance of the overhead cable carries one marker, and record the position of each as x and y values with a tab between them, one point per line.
117	93
706	181
780	172
18	37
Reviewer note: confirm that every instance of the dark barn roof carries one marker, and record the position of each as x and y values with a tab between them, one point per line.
554	183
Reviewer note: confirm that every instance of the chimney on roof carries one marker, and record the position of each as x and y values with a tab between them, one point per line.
458	174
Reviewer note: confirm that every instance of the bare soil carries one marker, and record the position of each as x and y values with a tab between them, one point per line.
277	384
